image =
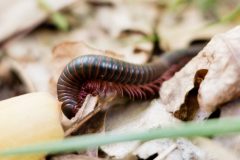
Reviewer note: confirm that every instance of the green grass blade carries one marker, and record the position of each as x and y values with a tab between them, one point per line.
231	16
191	129
60	21
57	18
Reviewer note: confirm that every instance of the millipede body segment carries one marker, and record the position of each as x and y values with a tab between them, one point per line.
104	76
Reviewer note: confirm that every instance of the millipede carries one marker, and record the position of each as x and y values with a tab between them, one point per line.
105	76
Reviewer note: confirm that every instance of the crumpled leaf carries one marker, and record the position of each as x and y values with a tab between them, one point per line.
178	30
89	119
230	109
87	107
208	80
215	150
127	16
131	118
13	81
232	142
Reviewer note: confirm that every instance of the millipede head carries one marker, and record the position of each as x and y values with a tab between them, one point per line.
69	110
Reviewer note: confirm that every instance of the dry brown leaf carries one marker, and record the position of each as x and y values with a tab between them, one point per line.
87	107
208	80
20	71
214	150
197	148
230	109
87	118
15	17
96	31
37	47
127	15
232	142
132	118
13	80
70	50
178	30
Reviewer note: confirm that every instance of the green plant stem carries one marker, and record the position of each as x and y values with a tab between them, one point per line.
191	129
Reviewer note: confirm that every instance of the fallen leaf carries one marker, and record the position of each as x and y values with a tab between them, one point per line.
214	150
154	147
37	47
177	30
83	118
12	80
212	73
14	13
230	109
181	148
231	142
136	116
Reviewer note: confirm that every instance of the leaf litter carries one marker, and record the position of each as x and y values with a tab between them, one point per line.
202	84
219	63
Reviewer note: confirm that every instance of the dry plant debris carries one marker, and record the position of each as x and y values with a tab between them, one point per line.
206	78
232	142
140	117
12	83
214	149
14	12
128	29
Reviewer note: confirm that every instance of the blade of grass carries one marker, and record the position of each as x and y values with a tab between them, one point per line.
206	5
58	19
174	4
191	129
231	16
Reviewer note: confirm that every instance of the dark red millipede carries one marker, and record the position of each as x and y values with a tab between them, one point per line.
102	75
